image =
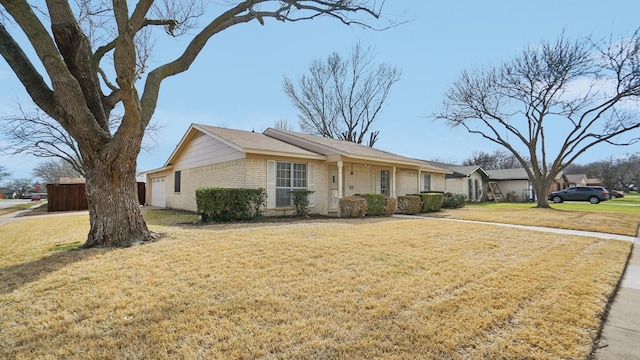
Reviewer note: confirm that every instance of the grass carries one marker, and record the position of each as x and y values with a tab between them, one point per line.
608	217
18	207
402	289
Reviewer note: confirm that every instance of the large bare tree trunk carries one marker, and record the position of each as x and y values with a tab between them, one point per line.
541	188
114	210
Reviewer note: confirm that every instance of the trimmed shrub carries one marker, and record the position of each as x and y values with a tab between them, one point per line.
430	202
301	201
375	203
218	204
453	201
390	206
353	207
410	204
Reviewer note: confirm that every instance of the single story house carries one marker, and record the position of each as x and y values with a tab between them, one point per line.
281	161
559	183
594	182
576	180
514	184
469	180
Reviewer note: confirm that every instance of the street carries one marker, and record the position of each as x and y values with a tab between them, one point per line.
6	203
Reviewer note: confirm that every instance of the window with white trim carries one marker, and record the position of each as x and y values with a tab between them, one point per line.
384	182
176	181
289	176
426	182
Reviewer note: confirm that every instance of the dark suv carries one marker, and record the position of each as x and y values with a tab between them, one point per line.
592	194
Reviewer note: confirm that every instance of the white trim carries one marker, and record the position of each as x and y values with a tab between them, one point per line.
271	184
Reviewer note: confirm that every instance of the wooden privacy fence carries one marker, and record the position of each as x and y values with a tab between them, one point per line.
67	197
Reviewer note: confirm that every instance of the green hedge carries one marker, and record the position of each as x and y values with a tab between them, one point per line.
375	203
453	201
431	202
301	201
218	204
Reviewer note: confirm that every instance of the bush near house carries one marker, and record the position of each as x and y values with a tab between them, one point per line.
353	207
375	203
301	201
453	201
431	202
218	204
390	206
409	204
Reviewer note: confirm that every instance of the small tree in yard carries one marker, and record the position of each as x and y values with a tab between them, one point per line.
552	103
74	44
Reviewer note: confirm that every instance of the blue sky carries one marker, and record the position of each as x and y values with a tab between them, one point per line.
237	80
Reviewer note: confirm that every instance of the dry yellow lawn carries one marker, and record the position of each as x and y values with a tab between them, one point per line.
622	223
360	289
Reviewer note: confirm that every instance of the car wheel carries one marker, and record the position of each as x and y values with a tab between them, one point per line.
594	200
557	199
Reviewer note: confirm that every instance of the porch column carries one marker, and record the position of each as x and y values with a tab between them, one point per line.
340	194
393	183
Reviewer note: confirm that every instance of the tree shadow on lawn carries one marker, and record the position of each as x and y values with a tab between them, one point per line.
15	276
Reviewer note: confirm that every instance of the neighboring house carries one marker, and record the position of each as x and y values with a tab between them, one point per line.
559	183
281	161
6	193
595	182
576	180
513	183
468	180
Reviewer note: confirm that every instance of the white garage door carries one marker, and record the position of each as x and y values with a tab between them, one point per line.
158	192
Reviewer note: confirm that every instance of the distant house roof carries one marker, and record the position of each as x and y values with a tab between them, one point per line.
576	178
508	174
460	170
594	182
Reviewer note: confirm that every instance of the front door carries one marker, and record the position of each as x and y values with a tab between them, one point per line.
334	194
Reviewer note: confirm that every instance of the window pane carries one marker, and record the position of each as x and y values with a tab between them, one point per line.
176	181
289	176
300	175
283	174
283	197
426	182
384	182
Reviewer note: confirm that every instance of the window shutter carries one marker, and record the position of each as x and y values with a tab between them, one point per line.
378	178
271	184
311	183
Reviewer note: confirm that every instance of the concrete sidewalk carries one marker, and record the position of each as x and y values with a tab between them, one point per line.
620	338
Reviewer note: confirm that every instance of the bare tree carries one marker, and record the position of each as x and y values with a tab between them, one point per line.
628	170
283	124
615	172
51	171
36	134
20	187
4	173
499	159
582	92
340	98
40	136
71	89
